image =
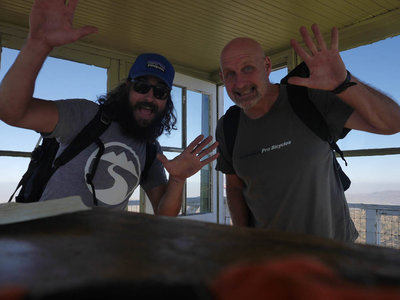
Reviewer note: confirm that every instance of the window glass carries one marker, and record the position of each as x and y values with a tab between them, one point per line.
375	179
198	115
198	186
134	201
194	114
175	138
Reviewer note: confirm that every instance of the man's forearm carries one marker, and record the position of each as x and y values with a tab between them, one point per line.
17	87
238	210
374	107
237	205
171	201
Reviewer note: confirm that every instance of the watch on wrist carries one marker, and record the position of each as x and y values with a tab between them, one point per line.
344	85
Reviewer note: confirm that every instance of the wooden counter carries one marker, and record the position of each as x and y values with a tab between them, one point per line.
99	246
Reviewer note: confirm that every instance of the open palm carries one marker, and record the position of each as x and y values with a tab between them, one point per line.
51	23
190	160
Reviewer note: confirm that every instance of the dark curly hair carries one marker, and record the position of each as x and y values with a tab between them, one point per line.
118	98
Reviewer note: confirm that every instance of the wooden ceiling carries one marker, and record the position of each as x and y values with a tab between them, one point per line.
192	33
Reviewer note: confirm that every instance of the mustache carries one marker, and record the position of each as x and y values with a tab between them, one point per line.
148	105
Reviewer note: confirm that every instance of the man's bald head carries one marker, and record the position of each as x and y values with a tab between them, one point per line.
242	46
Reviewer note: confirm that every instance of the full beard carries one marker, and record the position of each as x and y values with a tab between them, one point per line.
143	130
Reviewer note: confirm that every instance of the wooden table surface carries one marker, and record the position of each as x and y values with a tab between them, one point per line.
100	246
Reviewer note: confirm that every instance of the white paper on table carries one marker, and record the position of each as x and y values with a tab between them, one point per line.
19	212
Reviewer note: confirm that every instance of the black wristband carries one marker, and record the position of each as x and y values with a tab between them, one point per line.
344	85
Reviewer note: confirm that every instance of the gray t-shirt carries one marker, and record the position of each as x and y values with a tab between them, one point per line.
119	169
290	183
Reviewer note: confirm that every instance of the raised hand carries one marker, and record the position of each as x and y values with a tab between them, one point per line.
327	70
51	23
189	161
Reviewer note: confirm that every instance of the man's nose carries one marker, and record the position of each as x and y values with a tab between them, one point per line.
240	81
149	96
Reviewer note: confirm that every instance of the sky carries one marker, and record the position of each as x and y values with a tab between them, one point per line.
376	64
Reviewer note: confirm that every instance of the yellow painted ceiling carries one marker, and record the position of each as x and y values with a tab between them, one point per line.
192	33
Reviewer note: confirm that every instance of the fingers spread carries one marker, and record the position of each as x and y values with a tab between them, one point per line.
191	147
200	146
209	159
299	50
308	40
318	36
335	39
208	150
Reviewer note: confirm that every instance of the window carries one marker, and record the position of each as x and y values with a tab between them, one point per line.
192	111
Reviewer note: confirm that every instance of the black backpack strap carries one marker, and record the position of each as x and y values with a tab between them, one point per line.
306	110
310	115
312	118
151	152
90	175
230	127
86	136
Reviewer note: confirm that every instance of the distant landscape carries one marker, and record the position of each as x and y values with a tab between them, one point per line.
379	198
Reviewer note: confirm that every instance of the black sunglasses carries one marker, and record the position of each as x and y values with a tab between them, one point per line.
141	86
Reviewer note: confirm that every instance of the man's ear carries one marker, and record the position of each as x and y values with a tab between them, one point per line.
267	65
221	76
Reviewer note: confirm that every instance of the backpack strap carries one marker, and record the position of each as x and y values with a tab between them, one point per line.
86	136
92	172
306	110
230	127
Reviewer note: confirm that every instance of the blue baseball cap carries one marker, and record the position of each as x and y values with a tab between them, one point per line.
155	65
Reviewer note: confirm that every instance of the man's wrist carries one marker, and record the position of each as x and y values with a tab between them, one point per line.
37	46
344	85
176	180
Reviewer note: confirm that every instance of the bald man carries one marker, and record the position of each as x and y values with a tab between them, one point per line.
281	176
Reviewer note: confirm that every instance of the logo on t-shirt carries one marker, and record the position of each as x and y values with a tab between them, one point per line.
275	147
117	174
